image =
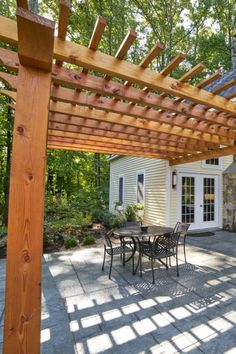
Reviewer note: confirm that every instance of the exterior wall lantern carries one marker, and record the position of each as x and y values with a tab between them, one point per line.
174	179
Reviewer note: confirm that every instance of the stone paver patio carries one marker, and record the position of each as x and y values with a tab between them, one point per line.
85	312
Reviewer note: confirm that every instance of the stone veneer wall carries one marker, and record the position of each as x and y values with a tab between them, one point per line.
229	200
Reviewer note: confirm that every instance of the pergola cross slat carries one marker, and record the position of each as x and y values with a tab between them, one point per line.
82	56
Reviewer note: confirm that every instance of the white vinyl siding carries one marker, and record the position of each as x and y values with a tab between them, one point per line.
198	168
154	185
162	203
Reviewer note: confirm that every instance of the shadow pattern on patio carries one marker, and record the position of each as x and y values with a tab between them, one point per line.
85	312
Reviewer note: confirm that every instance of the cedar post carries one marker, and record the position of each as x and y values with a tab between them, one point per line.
26	201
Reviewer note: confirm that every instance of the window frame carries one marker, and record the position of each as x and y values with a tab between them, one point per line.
217	167
141	172
123	188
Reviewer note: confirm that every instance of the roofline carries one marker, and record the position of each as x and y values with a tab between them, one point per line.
113	157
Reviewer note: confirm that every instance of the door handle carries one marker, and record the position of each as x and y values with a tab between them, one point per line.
201	205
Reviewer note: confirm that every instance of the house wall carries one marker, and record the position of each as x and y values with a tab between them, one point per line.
162	203
154	182
198	168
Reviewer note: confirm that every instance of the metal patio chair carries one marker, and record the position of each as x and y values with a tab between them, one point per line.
112	249
162	247
182	228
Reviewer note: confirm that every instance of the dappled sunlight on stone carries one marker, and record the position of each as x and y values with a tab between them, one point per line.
84	312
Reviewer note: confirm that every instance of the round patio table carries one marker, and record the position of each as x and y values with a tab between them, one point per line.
137	236
135	231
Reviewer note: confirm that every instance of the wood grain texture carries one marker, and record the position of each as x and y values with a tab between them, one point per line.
206	126
95	60
225	151
152	120
104	150
22	3
80	111
54	136
90	134
173	64
119	91
35	35
26	207
26	203
142	135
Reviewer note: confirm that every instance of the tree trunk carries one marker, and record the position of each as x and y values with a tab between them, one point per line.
98	170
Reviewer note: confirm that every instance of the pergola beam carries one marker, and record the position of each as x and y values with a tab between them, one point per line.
68	95
87	133
103	150
119	91
92	101
26	201
108	144
141	135
225	151
82	56
23	4
151	55
128	119
180	57
80	111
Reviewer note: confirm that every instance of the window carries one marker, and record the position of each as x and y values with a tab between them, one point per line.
140	188
214	162
121	189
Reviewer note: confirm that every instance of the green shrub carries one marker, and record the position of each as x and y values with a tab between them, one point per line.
3	231
70	242
130	212
111	221
88	240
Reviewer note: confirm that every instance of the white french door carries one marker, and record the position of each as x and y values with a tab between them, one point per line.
199	200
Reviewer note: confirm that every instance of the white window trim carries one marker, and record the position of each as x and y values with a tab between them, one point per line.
168	193
214	167
121	176
141	172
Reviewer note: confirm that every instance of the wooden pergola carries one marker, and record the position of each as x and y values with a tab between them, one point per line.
144	113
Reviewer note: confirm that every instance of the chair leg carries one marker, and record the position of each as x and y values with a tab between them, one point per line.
185	258
140	264
133	264
177	262
123	254
153	277
110	266
104	256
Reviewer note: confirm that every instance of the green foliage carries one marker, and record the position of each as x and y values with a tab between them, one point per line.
88	240
60	212
70	242
110	220
3	231
130	212
139	206
77	182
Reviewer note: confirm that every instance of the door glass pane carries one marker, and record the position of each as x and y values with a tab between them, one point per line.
188	199
209	199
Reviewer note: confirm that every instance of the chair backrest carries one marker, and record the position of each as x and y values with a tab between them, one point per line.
176	226
167	241
107	238
183	228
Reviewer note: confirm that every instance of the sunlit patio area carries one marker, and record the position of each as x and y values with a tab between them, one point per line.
85	312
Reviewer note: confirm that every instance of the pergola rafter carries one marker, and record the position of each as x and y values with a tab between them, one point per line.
145	114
